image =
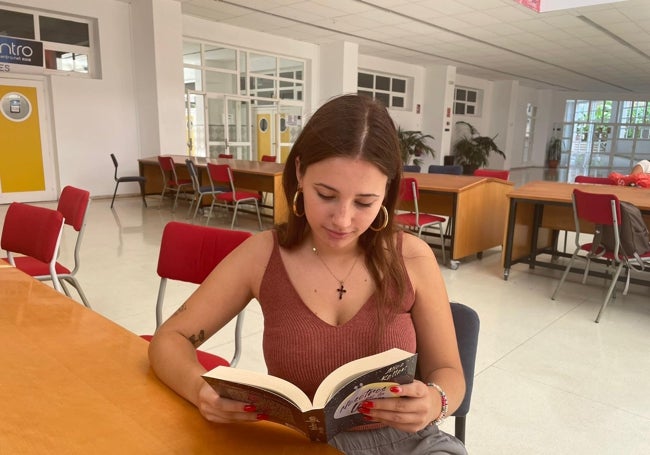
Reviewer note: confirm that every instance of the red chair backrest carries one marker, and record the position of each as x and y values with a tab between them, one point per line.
596	208
598	180
225	155
219	173
406	189
494	173
32	231
73	204
166	163
268	158
189	252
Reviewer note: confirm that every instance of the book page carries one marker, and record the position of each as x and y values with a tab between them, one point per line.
262	381
345	373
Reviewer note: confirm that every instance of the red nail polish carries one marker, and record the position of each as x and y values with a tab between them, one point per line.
363	410
396	389
368	404
250	408
262	417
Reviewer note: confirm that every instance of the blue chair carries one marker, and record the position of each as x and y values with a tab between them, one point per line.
454	169
467	324
200	190
411	168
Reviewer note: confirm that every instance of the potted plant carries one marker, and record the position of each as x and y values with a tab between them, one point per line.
554	152
472	150
413	146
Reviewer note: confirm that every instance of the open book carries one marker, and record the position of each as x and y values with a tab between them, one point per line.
336	401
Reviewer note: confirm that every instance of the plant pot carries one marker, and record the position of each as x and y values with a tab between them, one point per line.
552	164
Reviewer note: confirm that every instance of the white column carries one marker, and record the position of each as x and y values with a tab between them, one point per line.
339	64
158	62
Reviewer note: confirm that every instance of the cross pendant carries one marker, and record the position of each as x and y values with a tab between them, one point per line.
341	290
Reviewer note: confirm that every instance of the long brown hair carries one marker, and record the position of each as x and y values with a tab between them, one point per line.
356	127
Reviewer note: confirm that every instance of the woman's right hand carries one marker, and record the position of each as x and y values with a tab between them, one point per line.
222	410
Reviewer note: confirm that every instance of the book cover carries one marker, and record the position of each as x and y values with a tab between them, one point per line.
336	403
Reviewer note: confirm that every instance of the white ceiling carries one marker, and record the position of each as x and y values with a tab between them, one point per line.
601	48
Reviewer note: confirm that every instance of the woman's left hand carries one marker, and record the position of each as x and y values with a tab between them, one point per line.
416	406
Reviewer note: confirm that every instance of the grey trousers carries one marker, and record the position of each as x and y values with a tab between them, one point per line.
388	441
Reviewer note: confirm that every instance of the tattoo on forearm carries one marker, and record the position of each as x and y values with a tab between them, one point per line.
197	340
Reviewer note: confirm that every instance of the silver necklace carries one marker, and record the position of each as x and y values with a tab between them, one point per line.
341	289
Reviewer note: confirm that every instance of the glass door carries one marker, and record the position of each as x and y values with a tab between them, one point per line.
229	127
195	118
238	118
289	124
277	127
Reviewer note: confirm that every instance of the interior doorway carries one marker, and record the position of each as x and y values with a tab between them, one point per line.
27	163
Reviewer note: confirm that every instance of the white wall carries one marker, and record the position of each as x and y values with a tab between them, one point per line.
94	117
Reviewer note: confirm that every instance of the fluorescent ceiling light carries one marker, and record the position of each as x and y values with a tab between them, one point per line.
543	6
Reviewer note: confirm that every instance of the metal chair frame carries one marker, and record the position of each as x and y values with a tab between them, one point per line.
189	253
127	178
414	220
170	179
221	174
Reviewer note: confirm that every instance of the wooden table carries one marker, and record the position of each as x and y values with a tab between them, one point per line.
252	175
478	207
539	210
71	381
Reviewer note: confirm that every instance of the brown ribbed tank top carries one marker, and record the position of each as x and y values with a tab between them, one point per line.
303	349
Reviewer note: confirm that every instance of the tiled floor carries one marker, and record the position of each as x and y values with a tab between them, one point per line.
548	379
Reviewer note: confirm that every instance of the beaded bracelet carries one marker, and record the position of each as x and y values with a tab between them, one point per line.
443	403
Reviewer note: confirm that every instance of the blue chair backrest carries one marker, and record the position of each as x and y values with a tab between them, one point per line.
454	169
411	168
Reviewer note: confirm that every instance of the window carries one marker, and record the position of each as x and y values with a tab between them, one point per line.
67	43
529	133
226	88
467	101
390	90
605	135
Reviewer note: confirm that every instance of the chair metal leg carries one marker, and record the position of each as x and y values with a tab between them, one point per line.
159	301
162	195
75	283
566	272
114	193
234	215
610	291
259	217
238	330
144	201
178	190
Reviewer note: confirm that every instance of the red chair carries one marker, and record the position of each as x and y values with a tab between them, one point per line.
170	178
226	155
594	180
73	205
414	220
494	173
35	232
221	175
189	253
603	209
268	158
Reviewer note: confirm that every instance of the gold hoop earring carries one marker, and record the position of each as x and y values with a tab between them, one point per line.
384	211
294	206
